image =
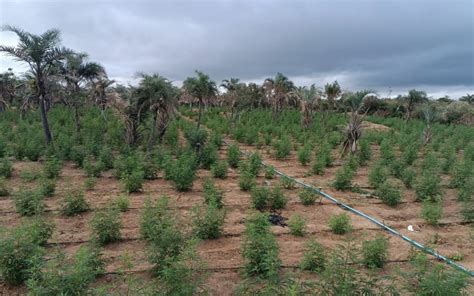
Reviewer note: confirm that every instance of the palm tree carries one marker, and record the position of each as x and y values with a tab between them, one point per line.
413	98
157	94
200	87
41	53
278	90
77	72
332	90
307	98
99	91
467	98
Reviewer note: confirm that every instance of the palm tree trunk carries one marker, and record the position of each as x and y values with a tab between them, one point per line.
152	139
77	119
200	114
43	113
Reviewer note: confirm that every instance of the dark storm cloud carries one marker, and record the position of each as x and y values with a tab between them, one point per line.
364	44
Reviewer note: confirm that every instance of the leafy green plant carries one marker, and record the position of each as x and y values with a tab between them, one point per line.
48	187
269	172
30	175
314	257
29	202
208	156
74	203
6	168
260	197
287	183
122	202
365	152
409	154
254	163
428	187
184	171
431	211
389	194
408	177
277	199
343	179
247	180
219	169
208	222
4	191
386	151
340	224
377	176
212	194
52	168
233	156
133	181
92	168
106	226
106	158
297	225
260	249
196	138
304	155
90	183
307	197
375	252
282	147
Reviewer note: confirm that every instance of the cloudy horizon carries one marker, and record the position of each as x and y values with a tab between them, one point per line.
388	46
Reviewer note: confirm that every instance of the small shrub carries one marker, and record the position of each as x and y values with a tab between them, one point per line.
428	187
314	258
297	225
269	172
307	197
340	224
196	138
133	182
52	168
408	177
304	155
47	187
396	169
92	168
216	139
255	163
287	183
38	230
29	202
343	179
282	147
260	248
3	187
260	197
212	195
122	202
90	183
409	154
375	252
6	168
377	176
386	151
247	180
208	223
233	156
219	169
319	166
365	153
389	194
106	158
106	226
74	203
208	156
30	175
184	171
277	199
431	211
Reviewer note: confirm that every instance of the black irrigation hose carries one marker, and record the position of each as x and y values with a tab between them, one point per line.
371	219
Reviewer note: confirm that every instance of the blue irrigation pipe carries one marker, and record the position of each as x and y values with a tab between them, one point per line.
372	219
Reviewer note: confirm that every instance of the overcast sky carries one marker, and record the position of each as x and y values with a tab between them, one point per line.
381	44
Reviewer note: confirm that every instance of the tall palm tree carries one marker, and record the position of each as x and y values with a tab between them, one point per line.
41	53
99	91
76	71
332	90
414	98
200	87
277	90
307	98
157	94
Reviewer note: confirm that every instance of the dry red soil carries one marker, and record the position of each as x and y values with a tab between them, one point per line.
223	256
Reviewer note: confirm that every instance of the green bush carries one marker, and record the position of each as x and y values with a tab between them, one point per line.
133	181
255	163
277	199
389	194
428	187
247	180
340	224
90	183
386	151
260	197
37	229
30	175
208	156
260	248
431	211
19	255
297	225
377	176
106	158
196	138
60	276
287	183
319	166
165	246
6	168
375	252
106	226
184	171
365	152
396	168
461	172
219	169
216	139
48	187
122	202
343	179
74	203
212	195
314	257
3	187
233	156
269	172
92	168
304	155
409	154
408	177
29	202
307	197
282	147
52	168
208	222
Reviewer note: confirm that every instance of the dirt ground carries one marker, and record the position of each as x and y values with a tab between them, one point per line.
222	256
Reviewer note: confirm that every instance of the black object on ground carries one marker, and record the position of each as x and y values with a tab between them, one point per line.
277	219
